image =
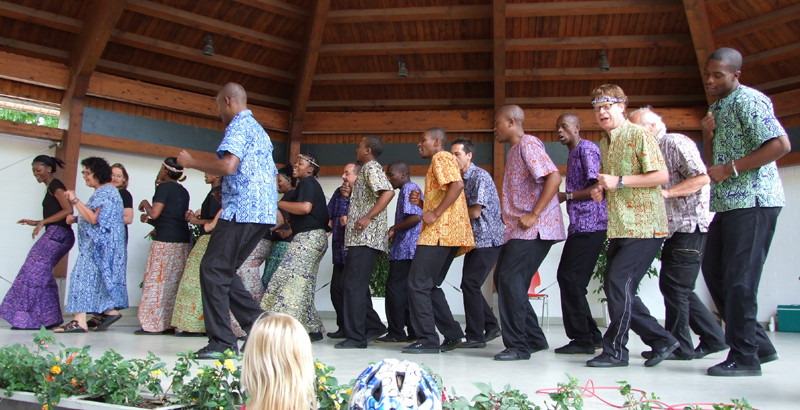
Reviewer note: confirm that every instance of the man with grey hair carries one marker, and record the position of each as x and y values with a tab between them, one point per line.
686	197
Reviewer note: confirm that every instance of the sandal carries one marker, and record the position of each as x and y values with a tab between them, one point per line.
107	320
94	322
71	327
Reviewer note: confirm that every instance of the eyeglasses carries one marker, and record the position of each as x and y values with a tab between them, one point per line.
604	107
86	172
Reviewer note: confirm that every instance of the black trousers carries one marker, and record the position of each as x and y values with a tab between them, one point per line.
518	262
478	263
680	265
429	308
337	293
359	316
738	243
222	290
628	260
398	314
574	273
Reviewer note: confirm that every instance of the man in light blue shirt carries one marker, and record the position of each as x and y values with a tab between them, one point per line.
249	209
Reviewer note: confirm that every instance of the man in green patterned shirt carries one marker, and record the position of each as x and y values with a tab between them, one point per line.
742	139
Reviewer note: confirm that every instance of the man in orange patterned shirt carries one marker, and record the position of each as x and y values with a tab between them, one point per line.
446	233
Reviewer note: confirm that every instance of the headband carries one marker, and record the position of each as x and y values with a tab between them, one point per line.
172	169
308	159
608	98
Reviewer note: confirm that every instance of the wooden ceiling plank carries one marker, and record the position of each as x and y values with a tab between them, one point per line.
571	74
783	82
455	76
39	17
193	54
786	103
759	23
598	42
31	131
308	65
499	82
702	38
160	11
278	7
33	70
460	102
776	54
584	8
409	14
403	47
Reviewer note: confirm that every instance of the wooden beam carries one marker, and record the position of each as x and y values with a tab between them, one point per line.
628	73
702	38
584	8
776	54
39	17
783	82
31	131
786	103
499	84
466	102
197	21
33	71
480	120
441	102
308	65
414	77
756	24
138	147
598	42
406	47
409	14
278	7
152	45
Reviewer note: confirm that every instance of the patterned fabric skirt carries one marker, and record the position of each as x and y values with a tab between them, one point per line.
274	260
250	273
188	313
32	301
165	266
291	289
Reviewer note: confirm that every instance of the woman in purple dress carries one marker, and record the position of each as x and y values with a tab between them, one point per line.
32	301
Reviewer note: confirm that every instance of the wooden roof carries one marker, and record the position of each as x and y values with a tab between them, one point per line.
322	55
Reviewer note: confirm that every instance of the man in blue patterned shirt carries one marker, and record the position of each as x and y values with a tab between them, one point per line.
487	227
249	209
742	139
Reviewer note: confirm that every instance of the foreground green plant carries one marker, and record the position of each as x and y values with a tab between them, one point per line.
568	395
330	394
642	403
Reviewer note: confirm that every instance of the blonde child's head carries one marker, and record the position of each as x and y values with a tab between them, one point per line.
277	368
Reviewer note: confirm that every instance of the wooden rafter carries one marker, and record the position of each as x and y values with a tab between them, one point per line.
308	65
783	82
499	82
455	103
775	54
409	14
598	43
416	47
39	17
583	8
278	7
160	11
759	23
702	38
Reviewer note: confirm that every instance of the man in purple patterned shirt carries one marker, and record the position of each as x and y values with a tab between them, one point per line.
586	233
686	197
337	210
403	235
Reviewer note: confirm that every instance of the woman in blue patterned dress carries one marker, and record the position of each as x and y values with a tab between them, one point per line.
97	283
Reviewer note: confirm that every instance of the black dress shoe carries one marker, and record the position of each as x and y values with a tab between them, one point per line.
539	348
606	360
449	344
349	344
508	355
391	339
373	335
473	344
768	358
492	334
575	348
315	336
729	368
702	350
339	334
420	348
672	356
660	354
208	352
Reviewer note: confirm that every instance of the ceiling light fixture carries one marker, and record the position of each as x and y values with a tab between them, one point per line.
402	71
604	64
208	49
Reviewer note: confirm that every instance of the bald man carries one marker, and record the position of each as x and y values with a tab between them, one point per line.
249	209
742	139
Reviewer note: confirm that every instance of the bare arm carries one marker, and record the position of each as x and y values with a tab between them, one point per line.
646	180
768	152
66	209
551	183
225	166
453	190
383	200
475	211
686	187
127	215
297	208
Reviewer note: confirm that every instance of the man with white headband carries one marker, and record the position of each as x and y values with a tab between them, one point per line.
632	171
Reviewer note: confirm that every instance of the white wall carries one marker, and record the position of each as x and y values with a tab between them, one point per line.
779	284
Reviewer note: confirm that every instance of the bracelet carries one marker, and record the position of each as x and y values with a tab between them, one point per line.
569	196
733	167
74	201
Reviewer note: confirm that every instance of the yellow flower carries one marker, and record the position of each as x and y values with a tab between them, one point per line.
319	365
333	397
337	405
58	359
228	353
229	364
320	388
322	379
199	372
44	407
350	390
217	363
55	369
156	373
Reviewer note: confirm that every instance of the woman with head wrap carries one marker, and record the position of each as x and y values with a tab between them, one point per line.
32	301
168	251
291	289
97	283
281	235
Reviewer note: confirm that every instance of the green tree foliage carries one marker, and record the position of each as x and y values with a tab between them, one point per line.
28	118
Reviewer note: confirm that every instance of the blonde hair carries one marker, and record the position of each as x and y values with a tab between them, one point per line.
277	368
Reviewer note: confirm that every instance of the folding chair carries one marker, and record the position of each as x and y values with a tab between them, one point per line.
533	295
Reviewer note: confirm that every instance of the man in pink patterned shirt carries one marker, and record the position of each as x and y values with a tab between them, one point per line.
533	223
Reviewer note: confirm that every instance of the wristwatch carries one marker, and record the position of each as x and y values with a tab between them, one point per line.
569	196
620	185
